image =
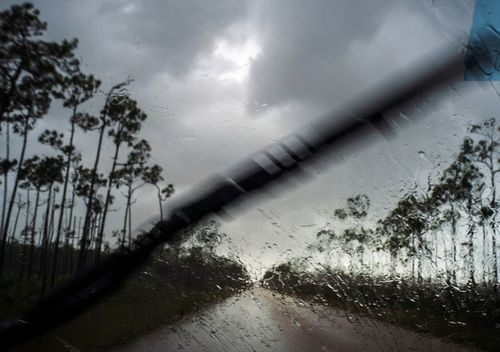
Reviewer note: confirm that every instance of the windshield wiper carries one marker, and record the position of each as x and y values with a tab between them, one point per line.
339	129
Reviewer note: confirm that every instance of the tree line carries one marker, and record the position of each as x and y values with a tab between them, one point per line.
430	264
444	233
54	207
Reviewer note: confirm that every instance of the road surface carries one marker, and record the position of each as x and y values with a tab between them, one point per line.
258	320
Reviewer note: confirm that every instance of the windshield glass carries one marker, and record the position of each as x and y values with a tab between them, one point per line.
112	112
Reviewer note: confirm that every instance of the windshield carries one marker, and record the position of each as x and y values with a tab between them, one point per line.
112	112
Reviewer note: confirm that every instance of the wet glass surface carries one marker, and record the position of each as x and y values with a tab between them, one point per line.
387	241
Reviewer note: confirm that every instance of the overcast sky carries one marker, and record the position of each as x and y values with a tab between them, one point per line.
220	79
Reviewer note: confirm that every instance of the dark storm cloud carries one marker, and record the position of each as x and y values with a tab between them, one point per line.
321	52
306	45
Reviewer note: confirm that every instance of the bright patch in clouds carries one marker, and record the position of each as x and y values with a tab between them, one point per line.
238	56
129	8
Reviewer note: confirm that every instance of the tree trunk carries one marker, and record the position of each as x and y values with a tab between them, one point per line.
13	195
31	259
25	235
108	197
13	233
45	241
76	236
88	214
63	199
413	258
453	246
494	268
436	255
124	229
98	227
493	226
72	222
6	175
158	189
130	221
471	229
52	217
14	228
484	278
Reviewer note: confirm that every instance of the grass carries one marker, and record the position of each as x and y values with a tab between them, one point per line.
163	292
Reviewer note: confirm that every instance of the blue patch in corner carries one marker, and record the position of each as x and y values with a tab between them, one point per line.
483	57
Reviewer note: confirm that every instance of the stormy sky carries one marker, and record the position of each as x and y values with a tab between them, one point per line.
221	79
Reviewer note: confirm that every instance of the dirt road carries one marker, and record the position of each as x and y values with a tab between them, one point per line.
257	320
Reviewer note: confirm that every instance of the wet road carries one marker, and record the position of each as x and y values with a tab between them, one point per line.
257	320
